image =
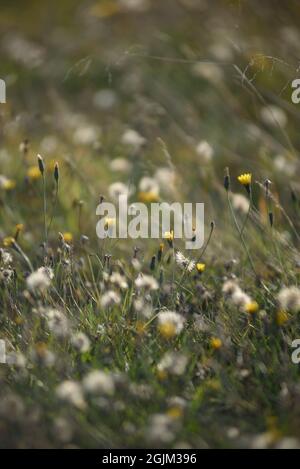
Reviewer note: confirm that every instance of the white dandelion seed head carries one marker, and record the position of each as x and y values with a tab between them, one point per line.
71	392
205	151
40	279
81	342
133	139
57	322
289	299
184	262
171	317
110	298
98	382
146	281
148	184
120	280
240	203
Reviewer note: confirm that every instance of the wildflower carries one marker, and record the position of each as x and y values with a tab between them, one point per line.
119	280
33	173
7	184
169	237
147	282
240	203
110	298
98	382
166	179
56	172
170	323
160	428
173	363
216	343
226	179
205	151
184	262
109	222
148	197
120	165
8	242
5	257
40	279
81	342
149	185
133	139
200	267
251	307
41	164
117	189
6	275
289	299
71	392
245	180
281	317
57	323
229	287
67	237
19	228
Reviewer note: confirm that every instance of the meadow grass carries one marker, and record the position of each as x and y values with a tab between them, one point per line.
139	343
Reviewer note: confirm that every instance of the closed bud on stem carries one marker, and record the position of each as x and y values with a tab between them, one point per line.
56	172
226	179
41	164
271	218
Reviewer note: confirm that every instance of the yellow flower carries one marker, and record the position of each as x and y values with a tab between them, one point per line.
19	228
33	173
175	412
140	327
251	307
167	329
68	237
245	179
148	197
109	222
9	184
162	374
169	235
8	241
281	317
216	343
200	267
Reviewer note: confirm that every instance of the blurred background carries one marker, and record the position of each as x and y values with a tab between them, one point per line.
120	90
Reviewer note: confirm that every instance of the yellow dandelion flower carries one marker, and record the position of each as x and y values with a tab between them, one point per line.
19	228
148	197
109	222
8	241
140	328
175	412
251	307
216	343
281	317
167	329
162	375
9	184
68	237
34	173
169	235
200	267
245	179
